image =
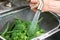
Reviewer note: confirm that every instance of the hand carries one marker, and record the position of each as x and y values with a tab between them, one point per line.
35	3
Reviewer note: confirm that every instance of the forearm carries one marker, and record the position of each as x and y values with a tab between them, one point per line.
54	6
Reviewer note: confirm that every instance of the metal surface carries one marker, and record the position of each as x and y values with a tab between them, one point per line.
51	32
4	8
48	34
19	3
13	3
36	17
55	36
25	14
1	38
48	23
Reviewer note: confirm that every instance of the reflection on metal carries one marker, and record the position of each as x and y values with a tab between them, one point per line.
1	38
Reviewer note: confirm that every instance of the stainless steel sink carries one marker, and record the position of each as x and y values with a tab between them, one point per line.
13	3
56	36
48	23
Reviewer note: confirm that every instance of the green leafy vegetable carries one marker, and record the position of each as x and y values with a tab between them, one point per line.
18	30
5	30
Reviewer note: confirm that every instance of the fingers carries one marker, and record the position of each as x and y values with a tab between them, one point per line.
34	6
34	1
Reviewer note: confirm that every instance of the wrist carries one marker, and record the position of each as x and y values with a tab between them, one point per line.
54	6
47	5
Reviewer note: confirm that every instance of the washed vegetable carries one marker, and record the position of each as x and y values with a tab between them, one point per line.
18	30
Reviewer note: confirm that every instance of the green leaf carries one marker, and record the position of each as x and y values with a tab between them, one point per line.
5	29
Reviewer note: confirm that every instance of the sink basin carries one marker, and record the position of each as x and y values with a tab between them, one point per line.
48	23
55	36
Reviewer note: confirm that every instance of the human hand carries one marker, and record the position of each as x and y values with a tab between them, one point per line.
35	3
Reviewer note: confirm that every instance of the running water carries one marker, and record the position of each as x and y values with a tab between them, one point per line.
35	21
36	17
